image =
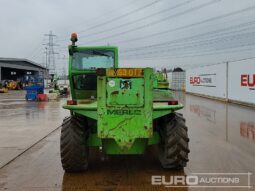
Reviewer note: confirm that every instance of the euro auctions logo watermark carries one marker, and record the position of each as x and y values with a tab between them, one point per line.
220	180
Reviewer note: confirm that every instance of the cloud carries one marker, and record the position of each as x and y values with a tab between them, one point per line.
24	23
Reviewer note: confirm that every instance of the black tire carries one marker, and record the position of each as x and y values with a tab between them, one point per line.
73	148
174	146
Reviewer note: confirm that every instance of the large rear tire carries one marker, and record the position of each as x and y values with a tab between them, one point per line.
73	148
174	146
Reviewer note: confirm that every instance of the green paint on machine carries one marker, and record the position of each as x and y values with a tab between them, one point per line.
115	107
124	112
123	118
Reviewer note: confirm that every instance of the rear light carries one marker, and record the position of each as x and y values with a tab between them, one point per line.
172	102
71	102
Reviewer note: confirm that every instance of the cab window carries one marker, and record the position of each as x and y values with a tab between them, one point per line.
85	82
93	59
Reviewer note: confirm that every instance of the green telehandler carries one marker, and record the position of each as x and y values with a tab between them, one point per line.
116	110
162	80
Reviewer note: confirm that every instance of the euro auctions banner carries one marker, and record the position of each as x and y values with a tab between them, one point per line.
207	80
241	81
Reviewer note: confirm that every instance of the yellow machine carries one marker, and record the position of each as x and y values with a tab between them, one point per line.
3	90
162	79
12	85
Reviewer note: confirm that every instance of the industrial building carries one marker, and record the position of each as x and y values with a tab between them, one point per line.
17	69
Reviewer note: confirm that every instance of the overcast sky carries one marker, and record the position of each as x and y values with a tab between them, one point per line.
155	33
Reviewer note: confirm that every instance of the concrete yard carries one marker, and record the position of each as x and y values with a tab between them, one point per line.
222	140
127	95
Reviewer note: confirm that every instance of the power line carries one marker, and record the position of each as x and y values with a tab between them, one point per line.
156	54
201	22
138	20
248	36
155	22
214	33
190	56
99	17
175	43
209	64
221	41
121	16
207	41
34	53
159	56
188	26
213	53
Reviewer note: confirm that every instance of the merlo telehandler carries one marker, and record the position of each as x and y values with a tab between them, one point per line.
117	110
